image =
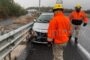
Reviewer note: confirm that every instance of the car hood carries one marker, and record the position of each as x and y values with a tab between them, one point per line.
41	27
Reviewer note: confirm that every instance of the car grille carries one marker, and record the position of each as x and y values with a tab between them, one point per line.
41	34
41	37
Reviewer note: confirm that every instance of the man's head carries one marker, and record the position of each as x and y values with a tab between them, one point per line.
78	8
58	8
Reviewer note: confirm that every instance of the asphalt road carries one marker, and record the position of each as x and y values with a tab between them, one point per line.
42	52
84	37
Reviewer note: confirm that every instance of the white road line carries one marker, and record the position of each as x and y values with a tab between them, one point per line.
83	50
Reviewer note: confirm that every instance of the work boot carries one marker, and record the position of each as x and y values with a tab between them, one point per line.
76	40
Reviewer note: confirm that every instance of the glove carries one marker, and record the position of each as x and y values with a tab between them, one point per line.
49	44
84	24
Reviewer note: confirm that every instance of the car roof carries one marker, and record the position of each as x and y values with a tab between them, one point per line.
46	13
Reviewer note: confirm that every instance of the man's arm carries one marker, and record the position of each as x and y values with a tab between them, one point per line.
69	27
85	18
51	30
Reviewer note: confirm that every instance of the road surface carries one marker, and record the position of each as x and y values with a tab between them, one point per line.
84	37
42	52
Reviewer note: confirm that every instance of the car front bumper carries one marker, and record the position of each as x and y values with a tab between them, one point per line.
40	38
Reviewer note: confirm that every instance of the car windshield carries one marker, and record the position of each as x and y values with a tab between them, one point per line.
44	18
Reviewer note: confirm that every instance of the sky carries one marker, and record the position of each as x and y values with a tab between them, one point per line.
66	3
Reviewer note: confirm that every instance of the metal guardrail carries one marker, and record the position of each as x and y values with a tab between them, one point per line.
9	41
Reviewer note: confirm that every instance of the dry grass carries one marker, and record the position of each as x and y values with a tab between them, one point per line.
23	20
17	22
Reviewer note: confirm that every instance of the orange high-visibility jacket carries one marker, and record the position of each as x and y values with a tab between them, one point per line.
79	16
59	28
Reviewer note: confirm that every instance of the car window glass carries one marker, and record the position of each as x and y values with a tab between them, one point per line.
44	18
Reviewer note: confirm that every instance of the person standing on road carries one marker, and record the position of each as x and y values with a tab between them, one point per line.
59	31
78	17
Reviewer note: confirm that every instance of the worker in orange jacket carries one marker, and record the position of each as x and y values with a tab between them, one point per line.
59	31
78	17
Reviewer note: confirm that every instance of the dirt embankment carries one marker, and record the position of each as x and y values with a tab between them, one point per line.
24	20
16	24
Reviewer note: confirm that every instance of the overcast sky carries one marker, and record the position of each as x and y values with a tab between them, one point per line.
67	3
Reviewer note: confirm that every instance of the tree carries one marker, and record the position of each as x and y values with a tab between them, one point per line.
10	8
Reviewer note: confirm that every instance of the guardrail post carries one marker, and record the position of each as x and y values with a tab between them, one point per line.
5	58
15	58
9	56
